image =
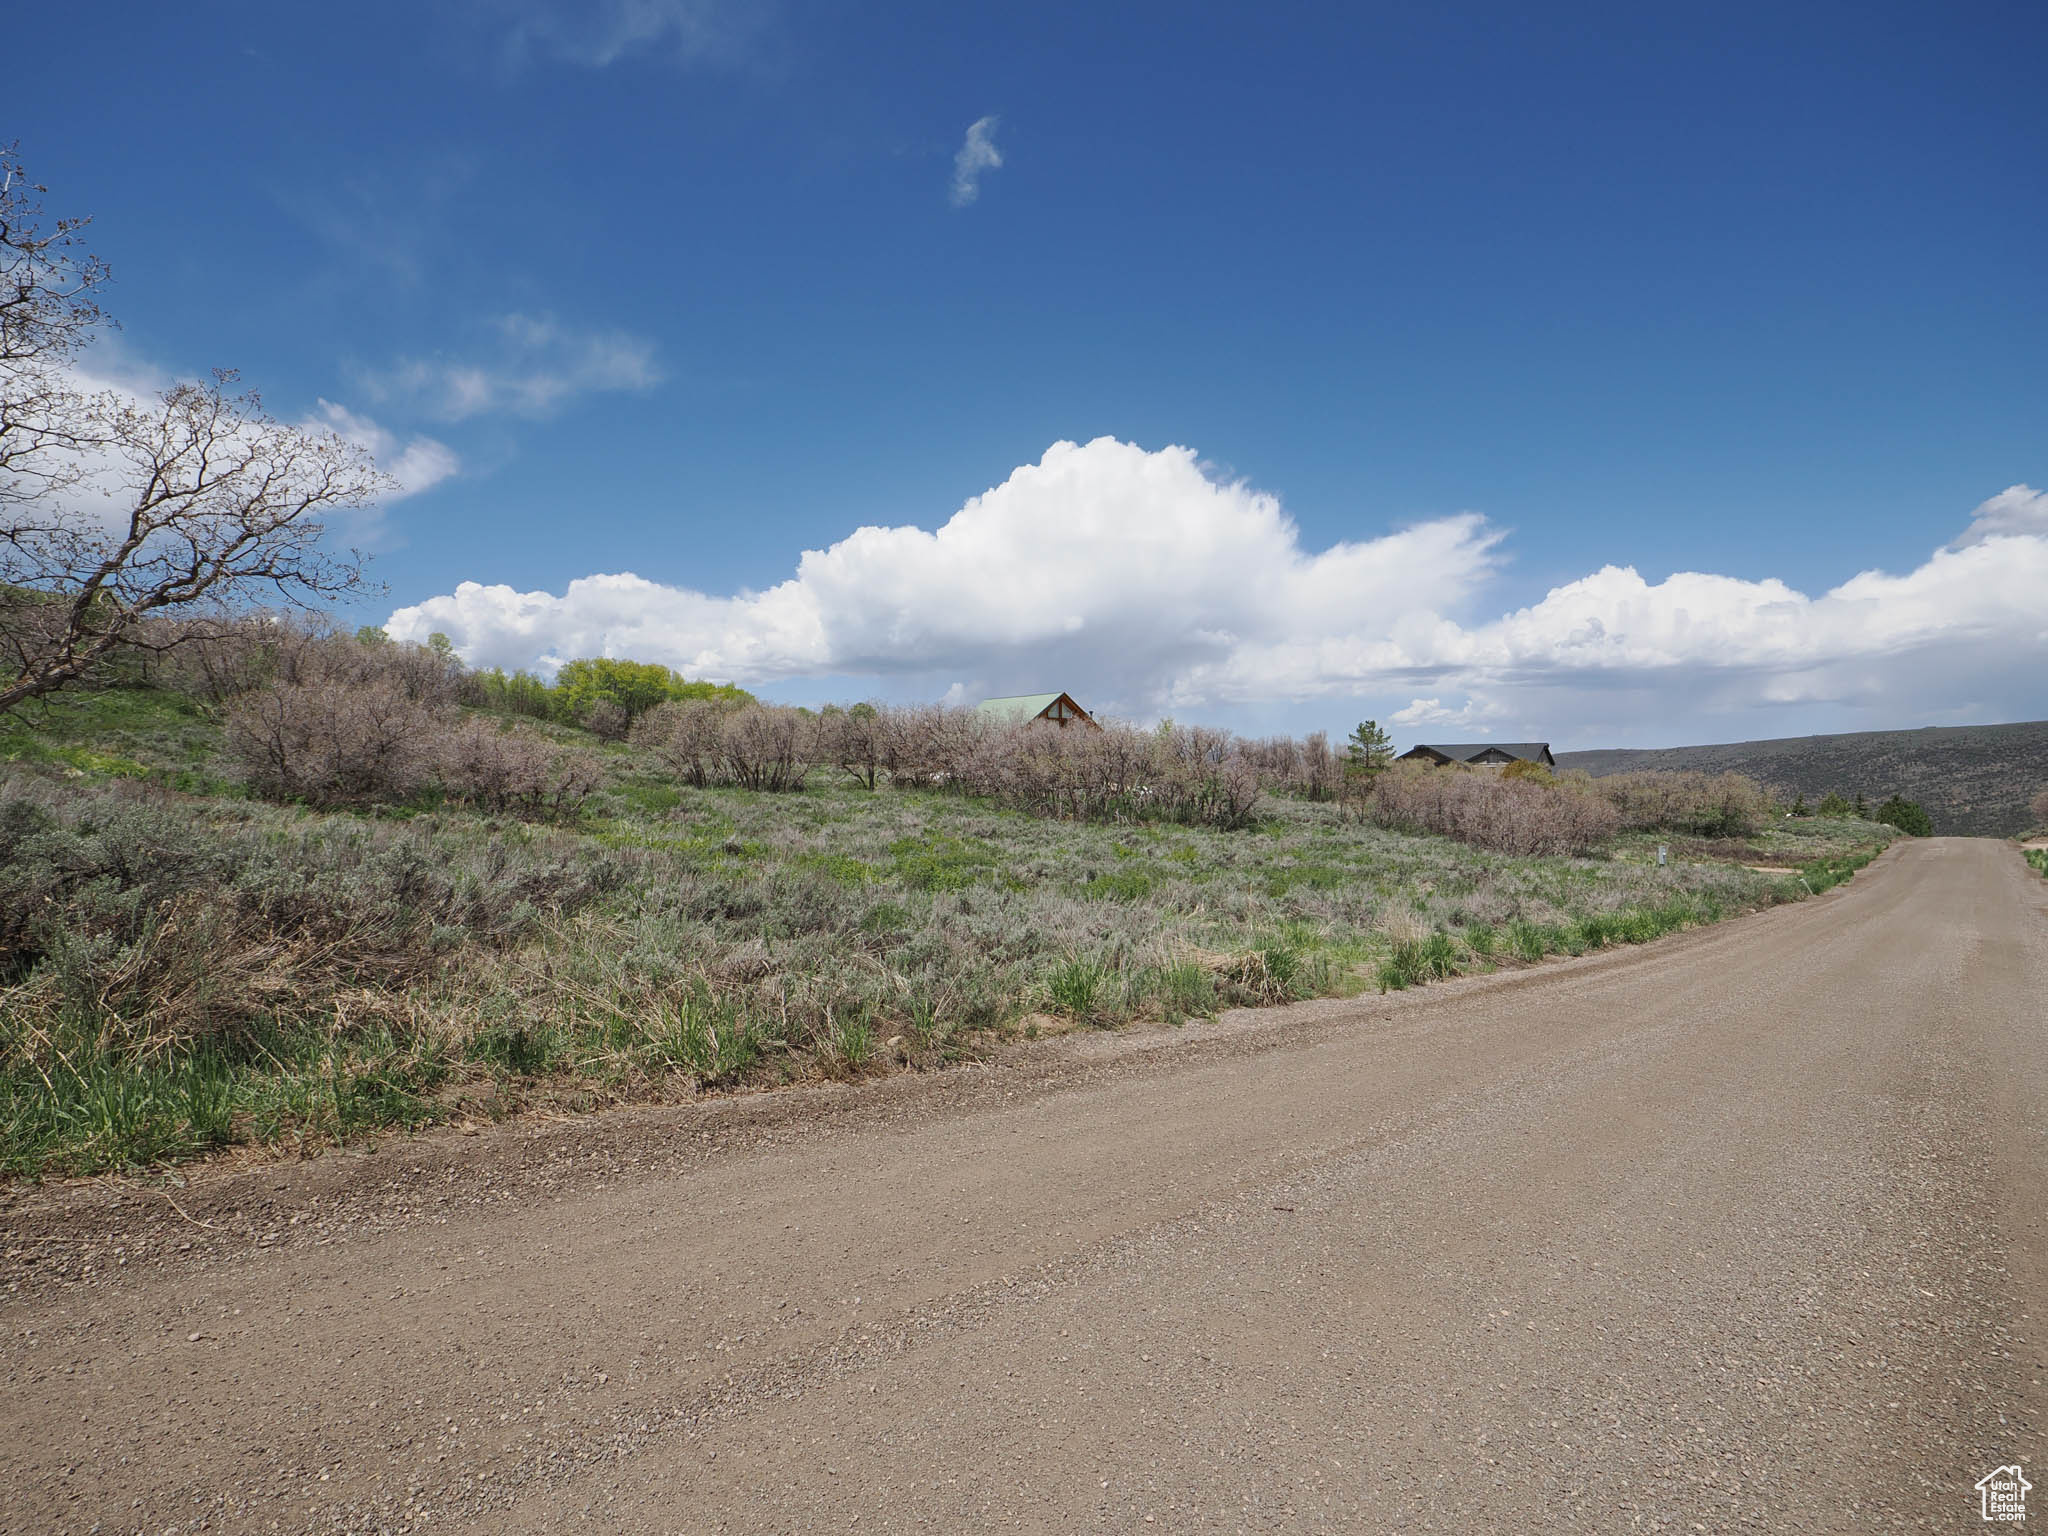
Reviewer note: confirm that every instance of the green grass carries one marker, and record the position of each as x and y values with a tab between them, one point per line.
2038	857
1119	885
107	1110
186	971
1075	989
1414	963
1827	873
943	862
130	733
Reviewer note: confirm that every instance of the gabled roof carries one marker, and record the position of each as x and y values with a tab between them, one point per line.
1018	706
1058	708
1465	751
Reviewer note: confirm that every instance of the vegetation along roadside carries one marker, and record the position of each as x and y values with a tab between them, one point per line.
292	889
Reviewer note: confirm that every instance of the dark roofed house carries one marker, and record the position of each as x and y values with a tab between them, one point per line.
1482	754
1056	708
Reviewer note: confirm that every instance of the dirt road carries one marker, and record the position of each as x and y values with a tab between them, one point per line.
1741	1231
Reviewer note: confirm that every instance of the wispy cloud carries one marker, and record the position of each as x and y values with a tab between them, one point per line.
416	463
976	156
599	33
534	365
390	225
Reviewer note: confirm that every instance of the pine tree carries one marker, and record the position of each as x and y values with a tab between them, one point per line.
1909	816
1368	749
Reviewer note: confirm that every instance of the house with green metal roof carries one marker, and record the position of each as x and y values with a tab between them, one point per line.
1057	708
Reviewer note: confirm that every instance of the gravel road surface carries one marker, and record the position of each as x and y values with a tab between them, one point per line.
1740	1231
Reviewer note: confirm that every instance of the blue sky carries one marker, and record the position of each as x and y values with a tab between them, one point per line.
683	289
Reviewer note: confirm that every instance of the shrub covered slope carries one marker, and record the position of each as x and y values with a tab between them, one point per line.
1974	780
186	966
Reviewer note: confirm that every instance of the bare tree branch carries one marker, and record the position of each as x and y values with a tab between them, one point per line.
112	509
47	313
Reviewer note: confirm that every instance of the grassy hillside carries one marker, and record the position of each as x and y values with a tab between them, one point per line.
1974	779
184	967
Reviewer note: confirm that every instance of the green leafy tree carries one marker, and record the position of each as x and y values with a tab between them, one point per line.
1909	816
372	634
1368	749
1800	807
634	686
1832	804
520	693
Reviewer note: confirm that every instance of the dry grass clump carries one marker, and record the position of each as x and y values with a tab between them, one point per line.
177	975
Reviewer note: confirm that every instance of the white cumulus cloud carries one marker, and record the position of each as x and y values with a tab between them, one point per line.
976	156
2016	509
1137	567
1471	715
1153	585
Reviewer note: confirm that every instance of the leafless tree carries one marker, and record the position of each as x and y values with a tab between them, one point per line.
332	742
495	766
686	735
48	311
116	510
606	719
852	738
1712	805
766	746
210	659
1489	810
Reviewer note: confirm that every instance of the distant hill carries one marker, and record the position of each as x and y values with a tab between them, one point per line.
1973	779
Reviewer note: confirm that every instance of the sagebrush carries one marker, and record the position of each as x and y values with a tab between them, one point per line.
282	886
180	972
